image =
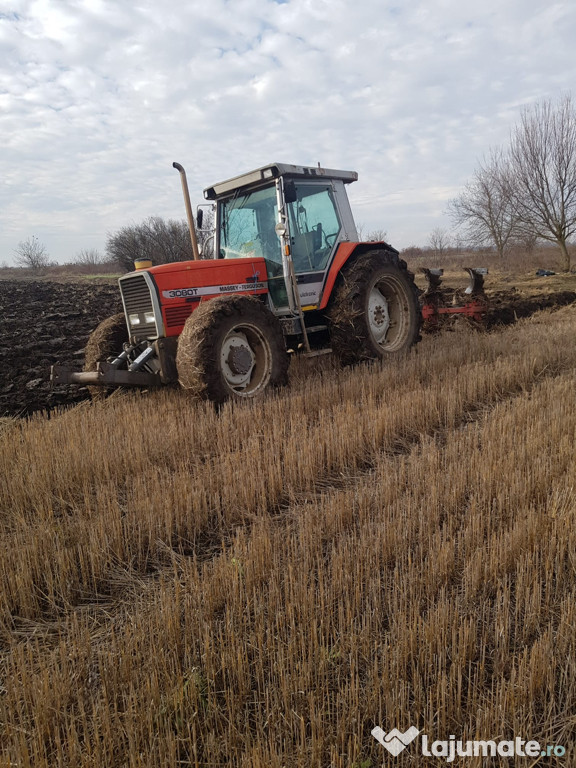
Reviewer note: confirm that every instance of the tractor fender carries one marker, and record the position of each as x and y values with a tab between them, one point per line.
348	252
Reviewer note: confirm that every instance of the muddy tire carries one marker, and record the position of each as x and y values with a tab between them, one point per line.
375	312
106	341
231	347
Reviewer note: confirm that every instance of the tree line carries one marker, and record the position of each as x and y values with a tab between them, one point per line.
525	192
163	241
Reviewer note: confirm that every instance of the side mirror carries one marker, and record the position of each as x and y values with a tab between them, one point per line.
199	218
290	194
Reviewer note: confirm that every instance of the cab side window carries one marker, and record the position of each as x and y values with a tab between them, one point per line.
314	226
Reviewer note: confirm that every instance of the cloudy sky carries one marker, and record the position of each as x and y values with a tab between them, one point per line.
98	97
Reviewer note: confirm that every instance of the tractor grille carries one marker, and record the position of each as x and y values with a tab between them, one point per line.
177	316
138	307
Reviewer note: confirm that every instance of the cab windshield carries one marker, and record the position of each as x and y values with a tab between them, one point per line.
247	227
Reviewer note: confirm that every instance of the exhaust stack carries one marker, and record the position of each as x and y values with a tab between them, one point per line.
192	228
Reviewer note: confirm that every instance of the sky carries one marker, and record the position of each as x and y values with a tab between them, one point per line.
99	97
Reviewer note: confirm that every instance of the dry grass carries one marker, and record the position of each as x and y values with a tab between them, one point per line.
261	586
515	262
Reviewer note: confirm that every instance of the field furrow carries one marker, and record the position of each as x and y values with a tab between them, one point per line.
123	478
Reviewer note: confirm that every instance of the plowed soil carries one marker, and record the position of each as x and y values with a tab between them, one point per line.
42	323
505	307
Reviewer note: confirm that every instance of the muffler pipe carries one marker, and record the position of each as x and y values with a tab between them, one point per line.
191	227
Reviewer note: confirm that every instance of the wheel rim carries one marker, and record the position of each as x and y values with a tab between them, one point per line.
388	314
246	360
378	315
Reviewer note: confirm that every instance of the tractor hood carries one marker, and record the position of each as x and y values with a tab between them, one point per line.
179	288
209	272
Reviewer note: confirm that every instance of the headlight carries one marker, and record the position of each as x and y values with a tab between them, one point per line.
137	319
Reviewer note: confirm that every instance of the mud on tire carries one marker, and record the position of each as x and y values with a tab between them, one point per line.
375	312
231	347
106	341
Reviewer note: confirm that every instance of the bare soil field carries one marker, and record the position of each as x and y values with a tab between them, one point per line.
261	586
41	323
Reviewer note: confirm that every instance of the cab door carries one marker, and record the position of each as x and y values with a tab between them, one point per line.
315	227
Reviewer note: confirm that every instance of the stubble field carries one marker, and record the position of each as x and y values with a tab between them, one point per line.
261	586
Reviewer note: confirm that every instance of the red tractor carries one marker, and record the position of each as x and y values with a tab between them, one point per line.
288	275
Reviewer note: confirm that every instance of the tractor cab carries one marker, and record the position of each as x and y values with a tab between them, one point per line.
292	216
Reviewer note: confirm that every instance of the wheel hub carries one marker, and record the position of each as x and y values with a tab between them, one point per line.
378	315
240	359
237	360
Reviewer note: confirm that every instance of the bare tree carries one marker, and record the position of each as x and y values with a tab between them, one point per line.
377	236
485	209
90	257
31	253
374	236
440	242
543	159
412	252
156	239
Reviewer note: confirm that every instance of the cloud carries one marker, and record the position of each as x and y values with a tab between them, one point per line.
98	98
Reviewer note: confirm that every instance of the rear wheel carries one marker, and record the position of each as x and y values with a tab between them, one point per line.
375	312
105	342
231	347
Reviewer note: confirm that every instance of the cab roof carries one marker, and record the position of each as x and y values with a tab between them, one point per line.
273	171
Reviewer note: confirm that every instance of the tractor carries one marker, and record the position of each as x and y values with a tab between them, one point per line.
287	275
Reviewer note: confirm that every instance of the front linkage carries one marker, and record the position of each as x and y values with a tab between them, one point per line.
144	364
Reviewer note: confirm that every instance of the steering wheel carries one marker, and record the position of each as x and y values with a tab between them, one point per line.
329	238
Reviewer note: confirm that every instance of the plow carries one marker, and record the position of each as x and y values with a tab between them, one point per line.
439	304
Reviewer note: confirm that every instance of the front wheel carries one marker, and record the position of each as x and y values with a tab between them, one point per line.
105	342
375	312
231	347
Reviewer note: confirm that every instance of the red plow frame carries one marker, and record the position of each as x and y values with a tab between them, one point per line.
439	304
